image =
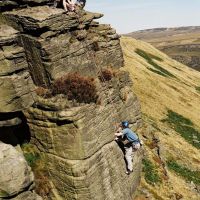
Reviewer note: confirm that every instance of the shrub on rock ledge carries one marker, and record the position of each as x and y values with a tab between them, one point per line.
43	92
76	87
106	75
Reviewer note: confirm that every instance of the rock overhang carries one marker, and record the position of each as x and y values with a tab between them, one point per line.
14	4
47	18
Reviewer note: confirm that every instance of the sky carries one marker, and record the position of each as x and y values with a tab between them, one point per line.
131	15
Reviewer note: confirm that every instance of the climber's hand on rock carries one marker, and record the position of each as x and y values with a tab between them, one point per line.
118	134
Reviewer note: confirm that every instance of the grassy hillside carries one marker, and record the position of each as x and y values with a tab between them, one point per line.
182	44
169	93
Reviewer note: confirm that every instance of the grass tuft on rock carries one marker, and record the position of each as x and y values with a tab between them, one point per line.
150	173
2	18
184	172
30	154
150	59
31	158
37	163
184	127
43	92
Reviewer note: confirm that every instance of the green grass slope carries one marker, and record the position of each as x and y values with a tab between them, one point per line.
170	101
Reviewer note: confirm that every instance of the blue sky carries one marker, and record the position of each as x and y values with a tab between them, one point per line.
131	15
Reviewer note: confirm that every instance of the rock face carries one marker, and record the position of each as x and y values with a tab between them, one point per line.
16	84
82	158
56	43
13	162
76	139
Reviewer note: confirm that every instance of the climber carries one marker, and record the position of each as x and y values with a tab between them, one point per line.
68	5
56	3
81	3
131	142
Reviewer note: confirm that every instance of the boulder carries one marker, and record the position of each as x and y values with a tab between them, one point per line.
45	18
15	174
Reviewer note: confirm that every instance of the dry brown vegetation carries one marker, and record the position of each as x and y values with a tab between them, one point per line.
43	92
106	75
76	87
36	161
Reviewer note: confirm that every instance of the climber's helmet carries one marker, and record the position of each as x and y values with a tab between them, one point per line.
125	124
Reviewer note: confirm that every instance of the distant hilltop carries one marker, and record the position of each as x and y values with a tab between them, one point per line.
180	43
178	30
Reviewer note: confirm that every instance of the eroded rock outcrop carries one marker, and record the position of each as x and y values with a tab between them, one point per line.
76	139
56	43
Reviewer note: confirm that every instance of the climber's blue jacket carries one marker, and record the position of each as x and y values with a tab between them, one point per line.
130	135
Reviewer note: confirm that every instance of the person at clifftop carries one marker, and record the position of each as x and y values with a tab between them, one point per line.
56	3
81	3
131	142
68	5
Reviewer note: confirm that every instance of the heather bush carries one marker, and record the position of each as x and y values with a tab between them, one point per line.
76	87
43	186
106	75
43	92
